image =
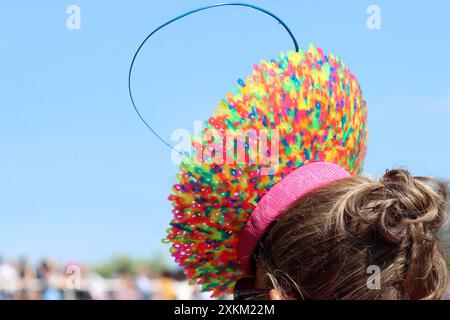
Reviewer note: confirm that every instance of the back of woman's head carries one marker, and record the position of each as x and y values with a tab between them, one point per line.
331	243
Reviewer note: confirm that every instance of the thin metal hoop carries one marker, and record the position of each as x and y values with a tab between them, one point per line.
178	18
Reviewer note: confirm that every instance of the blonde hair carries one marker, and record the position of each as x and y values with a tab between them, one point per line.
322	246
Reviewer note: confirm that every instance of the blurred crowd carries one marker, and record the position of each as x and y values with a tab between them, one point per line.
48	280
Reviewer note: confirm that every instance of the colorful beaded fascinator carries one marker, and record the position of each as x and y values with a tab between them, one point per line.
298	122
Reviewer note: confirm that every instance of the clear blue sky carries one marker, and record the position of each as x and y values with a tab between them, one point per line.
81	177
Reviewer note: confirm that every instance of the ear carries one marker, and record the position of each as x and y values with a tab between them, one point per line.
275	295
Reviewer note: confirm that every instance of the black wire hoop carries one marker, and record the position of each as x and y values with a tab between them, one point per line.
240	4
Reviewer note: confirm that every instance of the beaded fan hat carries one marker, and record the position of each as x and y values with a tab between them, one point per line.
296	123
311	105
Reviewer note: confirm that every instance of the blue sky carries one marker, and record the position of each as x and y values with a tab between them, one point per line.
81	178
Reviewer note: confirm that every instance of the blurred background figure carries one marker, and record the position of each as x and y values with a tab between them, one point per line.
144	284
183	291
126	289
51	280
9	279
166	288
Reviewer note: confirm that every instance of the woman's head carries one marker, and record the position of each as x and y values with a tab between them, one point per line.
330	242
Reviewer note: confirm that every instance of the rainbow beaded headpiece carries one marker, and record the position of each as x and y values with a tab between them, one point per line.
299	108
317	107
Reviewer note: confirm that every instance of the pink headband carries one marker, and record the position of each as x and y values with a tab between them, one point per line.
279	198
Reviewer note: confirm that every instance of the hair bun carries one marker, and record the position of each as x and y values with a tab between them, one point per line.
409	209
414	211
